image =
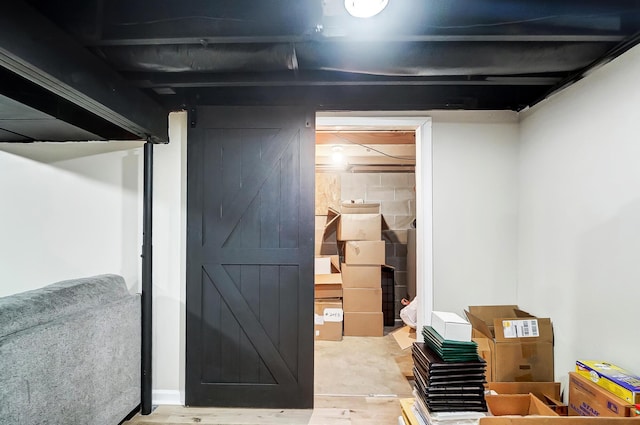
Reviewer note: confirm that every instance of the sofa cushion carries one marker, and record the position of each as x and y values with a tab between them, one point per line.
32	308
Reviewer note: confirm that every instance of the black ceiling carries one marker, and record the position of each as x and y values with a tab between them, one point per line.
133	60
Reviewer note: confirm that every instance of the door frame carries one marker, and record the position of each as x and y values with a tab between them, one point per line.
421	124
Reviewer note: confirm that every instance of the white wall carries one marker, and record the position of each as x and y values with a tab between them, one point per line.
69	210
169	262
474	209
579	223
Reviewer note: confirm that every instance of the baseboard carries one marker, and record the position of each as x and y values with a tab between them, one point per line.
166	397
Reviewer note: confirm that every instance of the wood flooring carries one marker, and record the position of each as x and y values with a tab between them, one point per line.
358	382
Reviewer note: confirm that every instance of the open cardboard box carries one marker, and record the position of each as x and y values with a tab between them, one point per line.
520	344
517	404
559	420
547	392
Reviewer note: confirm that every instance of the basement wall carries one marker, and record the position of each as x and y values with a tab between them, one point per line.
474	209
69	210
579	222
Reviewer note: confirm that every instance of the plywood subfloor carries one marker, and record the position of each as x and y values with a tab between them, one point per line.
357	382
363	366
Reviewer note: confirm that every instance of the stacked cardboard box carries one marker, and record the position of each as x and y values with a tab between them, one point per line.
363	252
328	317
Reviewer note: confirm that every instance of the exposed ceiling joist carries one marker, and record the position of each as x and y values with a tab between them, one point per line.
35	49
205	40
366	137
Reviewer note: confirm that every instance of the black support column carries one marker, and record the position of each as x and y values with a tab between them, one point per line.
147	282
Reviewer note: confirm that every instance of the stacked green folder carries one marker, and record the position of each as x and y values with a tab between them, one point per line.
450	351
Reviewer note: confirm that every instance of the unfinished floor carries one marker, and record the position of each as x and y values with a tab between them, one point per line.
358	381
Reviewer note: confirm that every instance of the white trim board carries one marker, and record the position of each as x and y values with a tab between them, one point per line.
167	397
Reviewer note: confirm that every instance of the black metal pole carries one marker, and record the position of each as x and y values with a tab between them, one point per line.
147	282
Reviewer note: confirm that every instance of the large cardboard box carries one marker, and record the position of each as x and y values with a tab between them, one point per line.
328	320
612	378
517	404
360	227
362	300
450	326
521	345
588	399
364	252
358	276
328	285
363	324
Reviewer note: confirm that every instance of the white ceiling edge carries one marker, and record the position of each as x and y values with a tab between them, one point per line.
405	120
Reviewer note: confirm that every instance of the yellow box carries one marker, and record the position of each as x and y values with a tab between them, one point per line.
612	378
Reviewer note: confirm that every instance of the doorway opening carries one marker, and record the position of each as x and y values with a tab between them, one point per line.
376	158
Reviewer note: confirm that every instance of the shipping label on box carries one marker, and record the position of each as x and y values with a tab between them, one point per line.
526	328
588	399
614	379
332	315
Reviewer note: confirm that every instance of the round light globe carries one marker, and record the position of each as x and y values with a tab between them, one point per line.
365	8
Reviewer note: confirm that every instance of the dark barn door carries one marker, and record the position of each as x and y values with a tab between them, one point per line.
250	257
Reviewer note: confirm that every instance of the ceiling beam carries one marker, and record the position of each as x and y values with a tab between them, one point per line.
150	80
34	48
150	40
366	137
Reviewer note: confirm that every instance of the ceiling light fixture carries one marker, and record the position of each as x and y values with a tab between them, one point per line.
365	8
337	156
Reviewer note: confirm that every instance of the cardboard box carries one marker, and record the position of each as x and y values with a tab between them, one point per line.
360	227
450	326
538	389
349	207
325	233
328	285
517	404
328	320
547	392
558	420
363	324
612	378
521	345
362	300
364	252
588	399
358	276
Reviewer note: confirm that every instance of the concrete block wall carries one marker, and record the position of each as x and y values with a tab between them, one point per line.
396	194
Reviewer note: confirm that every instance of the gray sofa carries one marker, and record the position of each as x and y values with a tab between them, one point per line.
70	353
